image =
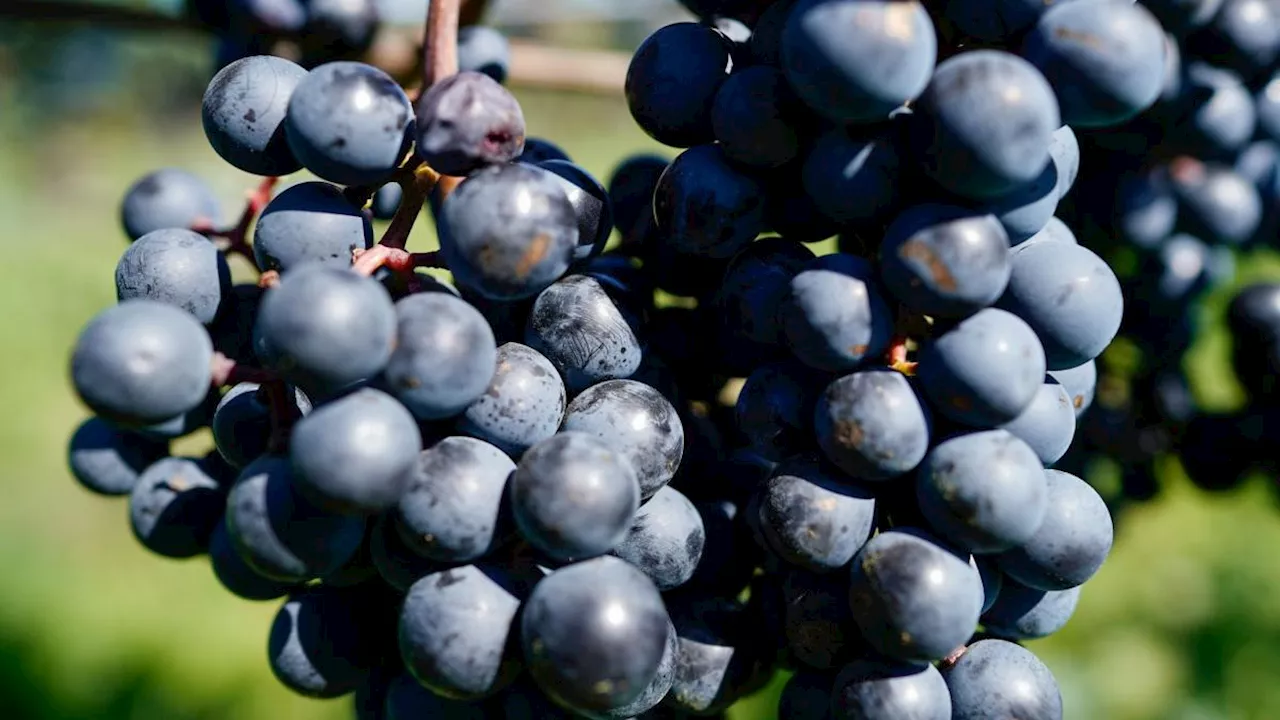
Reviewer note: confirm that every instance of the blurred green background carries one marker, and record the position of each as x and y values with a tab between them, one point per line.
1183	622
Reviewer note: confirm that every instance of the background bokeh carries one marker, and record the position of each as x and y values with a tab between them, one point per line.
1183	622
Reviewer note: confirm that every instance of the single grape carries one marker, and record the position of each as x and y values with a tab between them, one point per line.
1069	297
814	517
1215	202
584	332
1070	544
1217	113
755	285
573	497
524	403
757	119
108	460
354	454
854	61
657	688
349	123
665	540
887	690
1023	613
177	267
672	82
444	357
872	424
311	222
637	422
914	599
1025	211
984	491
631	191
456	634
945	261
243	114
1146	209
407	699
241	422
1243	35
387	201
168	198
996	679
817	623
142	362
1080	383
982	127
508	232
539	150
485	50
706	206
326	330
281	535
393	560
320	644
835	317
338	30
468	121
775	409
985	370
1104	61
175	505
1048	424
452	509
594	634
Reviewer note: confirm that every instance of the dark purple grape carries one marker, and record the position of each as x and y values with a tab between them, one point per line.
469	121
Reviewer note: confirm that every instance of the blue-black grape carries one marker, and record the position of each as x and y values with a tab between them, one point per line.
539	150
594	634
757	119
175	505
855	61
243	114
453	507
456	631
468	121
142	362
393	560
1069	297
1146	210
1243	35
508	232
353	455
873	424
524	403
835	317
338	30
584	332
326	330
854	178
1219	113
984	491
945	261
813	517
573	497
1070	544
309	222
407	699
178	267
386	201
1048	424
985	370
1105	61
913	598
817	623
672	82
665	540
108	460
236	575
280	534
998	679
444	357
775	409
637	422
349	123
1023	613
168	198
631	191
886	690
241	422
1216	203
704	205
320	644
982	127
1181	16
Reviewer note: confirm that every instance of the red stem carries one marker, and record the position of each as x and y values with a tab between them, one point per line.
225	371
237	236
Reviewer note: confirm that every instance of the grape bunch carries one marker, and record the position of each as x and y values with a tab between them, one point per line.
1176	197
801	414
